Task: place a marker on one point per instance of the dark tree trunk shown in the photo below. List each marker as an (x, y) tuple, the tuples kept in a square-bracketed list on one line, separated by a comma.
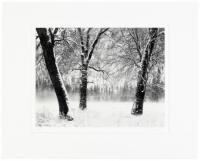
[(141, 88), (54, 73), (137, 108), (83, 87), (57, 83)]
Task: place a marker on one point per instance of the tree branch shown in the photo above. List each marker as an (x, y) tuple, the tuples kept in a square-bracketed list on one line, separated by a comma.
[(51, 36), (155, 37), (98, 70), (95, 43), (55, 31), (81, 38), (38, 45), (88, 40), (76, 69), (132, 60), (38, 62), (136, 40), (90, 82)]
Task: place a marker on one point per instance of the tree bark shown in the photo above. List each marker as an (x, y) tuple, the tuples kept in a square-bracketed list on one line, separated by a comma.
[(83, 87), (54, 73), (137, 108)]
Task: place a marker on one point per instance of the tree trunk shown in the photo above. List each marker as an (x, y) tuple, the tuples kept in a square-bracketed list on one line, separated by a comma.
[(57, 84), (54, 73), (83, 87), (137, 108), (141, 88)]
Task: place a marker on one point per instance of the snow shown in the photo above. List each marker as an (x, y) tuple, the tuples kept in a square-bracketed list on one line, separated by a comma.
[(100, 114)]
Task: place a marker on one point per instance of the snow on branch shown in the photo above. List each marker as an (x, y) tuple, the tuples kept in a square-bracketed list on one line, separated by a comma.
[(135, 38), (98, 70), (95, 42)]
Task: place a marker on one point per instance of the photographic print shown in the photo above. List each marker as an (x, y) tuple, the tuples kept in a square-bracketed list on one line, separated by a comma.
[(100, 77)]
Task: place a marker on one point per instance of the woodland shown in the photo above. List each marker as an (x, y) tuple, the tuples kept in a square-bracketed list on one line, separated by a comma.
[(100, 67)]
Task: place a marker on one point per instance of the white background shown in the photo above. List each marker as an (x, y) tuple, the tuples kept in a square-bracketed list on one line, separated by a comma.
[(19, 21)]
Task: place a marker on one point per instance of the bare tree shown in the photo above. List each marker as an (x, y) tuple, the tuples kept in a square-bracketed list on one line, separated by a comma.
[(87, 50), (137, 108), (47, 41), (138, 57)]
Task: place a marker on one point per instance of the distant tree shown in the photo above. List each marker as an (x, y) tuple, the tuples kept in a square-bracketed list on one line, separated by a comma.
[(47, 42), (155, 90)]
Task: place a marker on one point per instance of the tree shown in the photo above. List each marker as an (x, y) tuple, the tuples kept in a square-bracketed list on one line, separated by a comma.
[(47, 41), (87, 50), (140, 52), (142, 74)]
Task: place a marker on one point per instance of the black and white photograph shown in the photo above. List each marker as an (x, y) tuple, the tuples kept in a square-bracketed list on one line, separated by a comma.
[(115, 79), (98, 77)]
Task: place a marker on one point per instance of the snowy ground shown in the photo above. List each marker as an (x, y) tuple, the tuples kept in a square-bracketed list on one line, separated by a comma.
[(100, 114)]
